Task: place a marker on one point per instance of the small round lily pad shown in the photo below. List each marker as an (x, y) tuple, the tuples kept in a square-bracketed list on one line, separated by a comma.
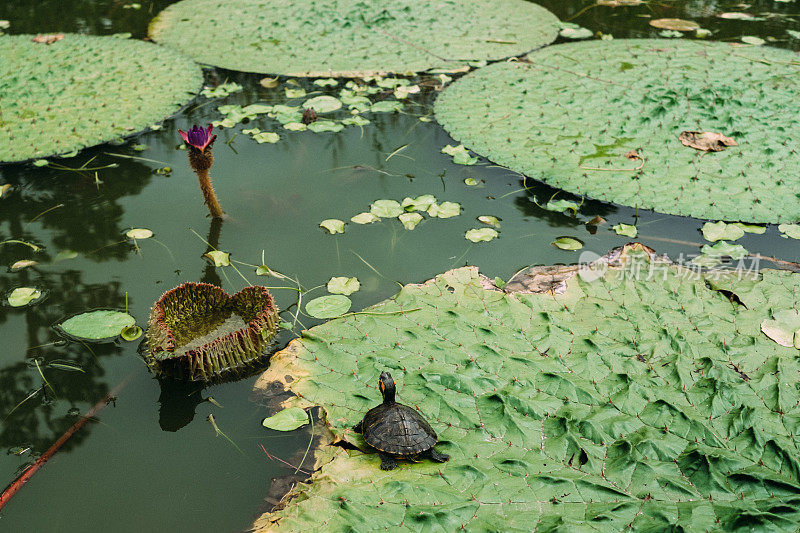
[(592, 119), (84, 90), (351, 37)]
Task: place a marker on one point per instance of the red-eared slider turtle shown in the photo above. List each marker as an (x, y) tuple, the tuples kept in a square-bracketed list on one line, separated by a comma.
[(397, 431)]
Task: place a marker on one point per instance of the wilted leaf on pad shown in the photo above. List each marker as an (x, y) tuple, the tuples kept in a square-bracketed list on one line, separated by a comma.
[(333, 225), (708, 141), (784, 328), (343, 285), (626, 229), (23, 296), (719, 231), (386, 208), (675, 24), (220, 259), (481, 234), (567, 243), (410, 220), (287, 420), (97, 325), (789, 231), (329, 306)]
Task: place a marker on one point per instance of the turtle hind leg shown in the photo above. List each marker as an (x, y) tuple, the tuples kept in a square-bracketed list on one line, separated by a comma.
[(387, 462), (438, 457)]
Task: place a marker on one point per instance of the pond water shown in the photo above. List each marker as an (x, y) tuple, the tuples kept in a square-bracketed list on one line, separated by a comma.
[(151, 460)]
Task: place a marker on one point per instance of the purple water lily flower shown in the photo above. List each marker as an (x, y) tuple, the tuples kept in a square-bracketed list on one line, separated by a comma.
[(198, 137)]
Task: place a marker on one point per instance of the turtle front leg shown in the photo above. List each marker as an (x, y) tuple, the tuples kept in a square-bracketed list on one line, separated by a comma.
[(438, 457), (359, 428), (387, 461)]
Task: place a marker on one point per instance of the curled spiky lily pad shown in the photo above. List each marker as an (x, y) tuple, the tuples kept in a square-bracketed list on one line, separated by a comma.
[(85, 90), (198, 332), (573, 114), (294, 38)]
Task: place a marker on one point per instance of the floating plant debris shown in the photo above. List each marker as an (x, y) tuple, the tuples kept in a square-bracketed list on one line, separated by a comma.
[(198, 332), (64, 111), (404, 36), (579, 108)]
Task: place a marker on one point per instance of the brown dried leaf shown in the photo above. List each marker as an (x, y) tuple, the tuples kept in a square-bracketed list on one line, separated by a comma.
[(633, 154), (269, 83), (675, 24), (49, 38), (618, 3), (708, 141)]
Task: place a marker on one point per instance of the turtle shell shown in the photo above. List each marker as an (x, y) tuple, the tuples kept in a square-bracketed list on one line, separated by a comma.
[(397, 429)]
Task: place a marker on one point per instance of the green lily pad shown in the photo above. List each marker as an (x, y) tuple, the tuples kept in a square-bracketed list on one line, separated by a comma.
[(323, 104), (287, 420), (472, 182), (460, 155), (386, 208), (220, 259), (481, 234), (626, 230), (23, 296), (266, 137), (751, 228), (357, 120), (297, 92), (720, 231), (490, 220), (386, 106), (325, 125), (567, 243), (444, 210), (591, 119), (326, 82), (365, 218), (295, 126), (722, 248), (343, 285), (97, 325), (561, 206), (420, 203), (352, 38), (626, 403), (131, 333), (333, 225), (139, 233), (45, 118), (329, 306), (410, 220), (576, 33), (789, 231)]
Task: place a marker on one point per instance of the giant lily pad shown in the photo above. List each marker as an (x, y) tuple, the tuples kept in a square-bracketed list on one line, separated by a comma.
[(351, 37), (574, 114), (97, 325), (84, 90), (641, 402), (198, 332)]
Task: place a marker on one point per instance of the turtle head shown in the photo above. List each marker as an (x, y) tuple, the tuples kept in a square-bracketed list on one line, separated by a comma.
[(386, 384)]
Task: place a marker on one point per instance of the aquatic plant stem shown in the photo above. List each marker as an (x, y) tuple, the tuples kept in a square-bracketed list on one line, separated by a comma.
[(26, 475), (209, 196)]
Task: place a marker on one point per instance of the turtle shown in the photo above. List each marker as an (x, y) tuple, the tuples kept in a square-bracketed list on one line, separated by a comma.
[(397, 431)]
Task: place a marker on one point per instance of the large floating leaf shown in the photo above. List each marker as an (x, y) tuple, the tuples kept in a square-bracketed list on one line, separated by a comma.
[(97, 325), (84, 90), (591, 118), (286, 420), (649, 403), (351, 37)]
